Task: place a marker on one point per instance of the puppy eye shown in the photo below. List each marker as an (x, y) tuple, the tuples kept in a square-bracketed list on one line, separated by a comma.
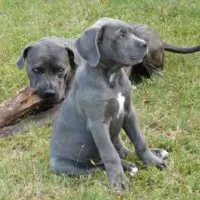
[(37, 70), (122, 35), (60, 70)]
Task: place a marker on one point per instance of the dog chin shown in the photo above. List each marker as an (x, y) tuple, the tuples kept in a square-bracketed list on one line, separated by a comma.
[(140, 60), (135, 62)]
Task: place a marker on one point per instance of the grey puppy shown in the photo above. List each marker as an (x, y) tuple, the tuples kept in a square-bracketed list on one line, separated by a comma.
[(98, 106), (51, 64)]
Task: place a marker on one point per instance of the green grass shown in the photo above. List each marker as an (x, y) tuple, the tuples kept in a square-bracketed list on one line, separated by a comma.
[(169, 119)]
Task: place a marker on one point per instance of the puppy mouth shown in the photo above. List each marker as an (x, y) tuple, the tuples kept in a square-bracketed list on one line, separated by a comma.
[(134, 58), (147, 51), (142, 59), (137, 60)]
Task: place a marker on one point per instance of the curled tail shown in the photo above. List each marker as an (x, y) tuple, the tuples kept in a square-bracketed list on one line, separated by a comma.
[(182, 50)]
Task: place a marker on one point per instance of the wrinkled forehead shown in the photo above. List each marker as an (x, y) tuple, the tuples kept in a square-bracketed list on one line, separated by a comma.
[(43, 52)]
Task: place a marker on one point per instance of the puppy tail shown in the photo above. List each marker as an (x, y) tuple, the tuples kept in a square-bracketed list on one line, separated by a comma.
[(181, 50)]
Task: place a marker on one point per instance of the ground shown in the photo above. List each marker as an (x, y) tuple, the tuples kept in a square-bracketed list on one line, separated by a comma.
[(168, 108)]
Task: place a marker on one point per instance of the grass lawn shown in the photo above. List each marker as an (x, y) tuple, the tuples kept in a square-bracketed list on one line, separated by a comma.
[(168, 107)]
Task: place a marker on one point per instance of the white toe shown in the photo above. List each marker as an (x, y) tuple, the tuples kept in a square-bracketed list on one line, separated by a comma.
[(133, 171), (164, 154)]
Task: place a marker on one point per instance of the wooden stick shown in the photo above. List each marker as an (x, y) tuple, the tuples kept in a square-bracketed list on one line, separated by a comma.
[(22, 103)]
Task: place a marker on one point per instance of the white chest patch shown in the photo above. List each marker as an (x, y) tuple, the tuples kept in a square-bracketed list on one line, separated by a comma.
[(121, 100)]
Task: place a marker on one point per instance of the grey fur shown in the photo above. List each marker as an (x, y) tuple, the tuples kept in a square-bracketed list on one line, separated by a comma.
[(86, 132), (51, 64)]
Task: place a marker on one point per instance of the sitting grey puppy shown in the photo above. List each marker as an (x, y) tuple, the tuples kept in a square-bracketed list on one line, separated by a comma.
[(98, 106)]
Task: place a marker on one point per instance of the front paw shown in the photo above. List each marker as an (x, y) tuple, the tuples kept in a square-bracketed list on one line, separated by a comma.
[(156, 157), (161, 153), (119, 182), (130, 167)]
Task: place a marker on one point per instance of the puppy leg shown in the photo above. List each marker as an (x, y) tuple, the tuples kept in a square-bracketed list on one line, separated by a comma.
[(141, 146), (109, 155), (122, 150)]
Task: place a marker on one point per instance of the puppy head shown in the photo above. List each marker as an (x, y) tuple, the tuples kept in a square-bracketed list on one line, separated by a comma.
[(113, 40), (50, 67)]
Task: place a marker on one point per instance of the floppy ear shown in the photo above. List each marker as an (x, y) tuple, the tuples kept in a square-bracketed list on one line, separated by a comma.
[(22, 58), (87, 46), (74, 57), (71, 58)]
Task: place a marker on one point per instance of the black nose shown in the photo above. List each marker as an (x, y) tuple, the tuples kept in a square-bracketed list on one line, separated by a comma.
[(49, 94), (143, 44)]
